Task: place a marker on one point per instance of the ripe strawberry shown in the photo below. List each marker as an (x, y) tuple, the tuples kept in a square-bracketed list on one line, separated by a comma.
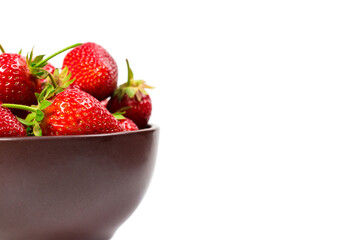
[(9, 124), (94, 70), (19, 76), (71, 112), (74, 112), (16, 83), (132, 95), (128, 124)]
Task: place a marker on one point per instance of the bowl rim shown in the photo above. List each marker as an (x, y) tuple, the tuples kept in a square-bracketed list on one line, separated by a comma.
[(150, 128)]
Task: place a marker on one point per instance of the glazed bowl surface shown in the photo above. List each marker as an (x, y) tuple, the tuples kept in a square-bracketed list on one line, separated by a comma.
[(73, 187)]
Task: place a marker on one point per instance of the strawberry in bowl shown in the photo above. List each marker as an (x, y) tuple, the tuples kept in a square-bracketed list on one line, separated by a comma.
[(133, 96)]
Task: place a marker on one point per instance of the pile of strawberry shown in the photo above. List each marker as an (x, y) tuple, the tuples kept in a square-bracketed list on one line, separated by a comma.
[(37, 99)]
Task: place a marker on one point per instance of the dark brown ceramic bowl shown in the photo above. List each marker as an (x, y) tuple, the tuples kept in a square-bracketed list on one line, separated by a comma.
[(73, 187)]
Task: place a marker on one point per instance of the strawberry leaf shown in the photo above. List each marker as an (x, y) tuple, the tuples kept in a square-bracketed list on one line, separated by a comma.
[(118, 116), (130, 91), (40, 97), (39, 115), (30, 117), (49, 91), (143, 91), (41, 65), (39, 72), (38, 59), (123, 109), (138, 96), (44, 104), (37, 130), (23, 121), (56, 72), (68, 82), (29, 131), (61, 80), (31, 54)]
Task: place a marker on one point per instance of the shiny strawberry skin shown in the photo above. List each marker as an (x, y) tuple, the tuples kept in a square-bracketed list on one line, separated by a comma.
[(128, 125), (16, 83), (94, 69), (9, 125), (74, 112), (139, 111)]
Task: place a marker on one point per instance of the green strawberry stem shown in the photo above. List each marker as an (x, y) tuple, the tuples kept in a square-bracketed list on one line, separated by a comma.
[(130, 74), (18, 106), (53, 82), (2, 49), (57, 53)]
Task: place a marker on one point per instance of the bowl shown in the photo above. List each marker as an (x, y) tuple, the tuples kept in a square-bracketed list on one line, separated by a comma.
[(73, 187)]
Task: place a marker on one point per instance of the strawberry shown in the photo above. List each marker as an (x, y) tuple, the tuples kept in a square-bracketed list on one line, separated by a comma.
[(132, 95), (93, 68), (16, 83), (19, 76), (75, 112), (9, 124), (71, 112), (128, 124)]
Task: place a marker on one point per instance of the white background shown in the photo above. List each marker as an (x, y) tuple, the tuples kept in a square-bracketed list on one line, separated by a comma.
[(258, 104)]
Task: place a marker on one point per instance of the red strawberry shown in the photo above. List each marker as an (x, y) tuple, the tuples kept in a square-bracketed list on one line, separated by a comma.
[(94, 70), (74, 112), (9, 124), (128, 125), (16, 83), (132, 95)]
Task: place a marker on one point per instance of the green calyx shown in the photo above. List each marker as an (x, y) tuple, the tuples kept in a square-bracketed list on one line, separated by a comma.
[(60, 79), (120, 113), (132, 88)]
